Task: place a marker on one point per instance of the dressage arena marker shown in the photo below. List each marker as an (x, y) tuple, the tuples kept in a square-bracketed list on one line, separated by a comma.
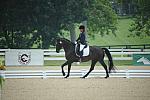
[(74, 73)]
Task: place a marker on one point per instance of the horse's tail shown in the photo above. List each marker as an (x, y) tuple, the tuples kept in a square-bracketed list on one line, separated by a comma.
[(110, 61)]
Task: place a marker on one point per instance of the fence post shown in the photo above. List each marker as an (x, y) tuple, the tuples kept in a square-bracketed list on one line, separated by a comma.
[(122, 52), (127, 73), (44, 74), (144, 46), (2, 74)]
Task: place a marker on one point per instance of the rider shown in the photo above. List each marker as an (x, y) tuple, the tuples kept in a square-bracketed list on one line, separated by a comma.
[(81, 40)]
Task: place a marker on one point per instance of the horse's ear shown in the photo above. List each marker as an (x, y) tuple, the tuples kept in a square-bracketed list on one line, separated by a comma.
[(58, 39)]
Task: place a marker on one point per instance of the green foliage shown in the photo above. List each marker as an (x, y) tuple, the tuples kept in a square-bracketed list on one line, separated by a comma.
[(28, 22), (19, 19), (101, 17), (141, 25), (1, 81)]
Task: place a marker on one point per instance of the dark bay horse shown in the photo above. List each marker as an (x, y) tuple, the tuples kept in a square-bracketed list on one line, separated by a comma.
[(96, 55)]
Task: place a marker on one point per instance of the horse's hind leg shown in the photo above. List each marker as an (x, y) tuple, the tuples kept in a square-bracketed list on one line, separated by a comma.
[(105, 67), (91, 68)]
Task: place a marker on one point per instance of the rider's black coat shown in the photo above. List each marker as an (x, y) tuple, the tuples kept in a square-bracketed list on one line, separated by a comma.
[(82, 38)]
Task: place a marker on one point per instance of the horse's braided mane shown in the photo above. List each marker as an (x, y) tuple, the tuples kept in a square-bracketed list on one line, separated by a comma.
[(64, 39)]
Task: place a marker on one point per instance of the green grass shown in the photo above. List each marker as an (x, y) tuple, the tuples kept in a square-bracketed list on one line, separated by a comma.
[(121, 37), (2, 60), (59, 63)]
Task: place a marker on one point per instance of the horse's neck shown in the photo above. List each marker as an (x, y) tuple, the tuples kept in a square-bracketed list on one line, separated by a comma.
[(68, 47)]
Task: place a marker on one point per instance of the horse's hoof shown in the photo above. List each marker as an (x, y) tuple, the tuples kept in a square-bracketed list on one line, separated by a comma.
[(64, 74), (106, 77), (66, 77), (82, 77)]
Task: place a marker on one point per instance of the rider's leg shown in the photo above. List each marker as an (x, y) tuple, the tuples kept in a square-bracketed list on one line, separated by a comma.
[(81, 55), (78, 49)]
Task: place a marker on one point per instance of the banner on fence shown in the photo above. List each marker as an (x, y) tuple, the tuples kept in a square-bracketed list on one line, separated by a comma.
[(25, 57), (141, 59)]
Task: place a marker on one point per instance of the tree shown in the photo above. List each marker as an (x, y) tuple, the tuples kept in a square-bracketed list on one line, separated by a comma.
[(98, 13), (101, 17), (24, 23), (141, 25), (29, 22), (74, 12), (123, 7)]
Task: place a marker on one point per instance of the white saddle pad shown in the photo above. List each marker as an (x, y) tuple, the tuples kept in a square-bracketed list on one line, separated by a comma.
[(86, 50)]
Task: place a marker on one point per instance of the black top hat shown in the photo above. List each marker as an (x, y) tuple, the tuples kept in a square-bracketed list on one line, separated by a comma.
[(82, 27)]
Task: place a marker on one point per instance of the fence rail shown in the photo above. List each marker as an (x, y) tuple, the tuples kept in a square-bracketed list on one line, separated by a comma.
[(74, 73), (119, 54), (142, 46)]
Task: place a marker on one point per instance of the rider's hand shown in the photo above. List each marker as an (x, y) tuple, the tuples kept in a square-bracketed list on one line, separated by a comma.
[(75, 42)]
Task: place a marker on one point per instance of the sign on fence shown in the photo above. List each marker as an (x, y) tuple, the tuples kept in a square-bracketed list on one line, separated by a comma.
[(141, 59), (25, 57)]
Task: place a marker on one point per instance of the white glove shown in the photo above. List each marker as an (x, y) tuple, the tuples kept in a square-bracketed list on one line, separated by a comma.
[(75, 42)]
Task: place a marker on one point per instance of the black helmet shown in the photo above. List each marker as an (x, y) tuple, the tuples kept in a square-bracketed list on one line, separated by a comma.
[(81, 27)]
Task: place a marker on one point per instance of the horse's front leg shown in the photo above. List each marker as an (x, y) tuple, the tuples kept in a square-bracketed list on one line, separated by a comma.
[(62, 67), (69, 67)]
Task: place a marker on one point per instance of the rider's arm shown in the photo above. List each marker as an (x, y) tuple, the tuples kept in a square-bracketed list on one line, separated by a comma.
[(82, 38), (78, 38)]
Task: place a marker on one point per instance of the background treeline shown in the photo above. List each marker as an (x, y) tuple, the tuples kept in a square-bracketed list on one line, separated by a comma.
[(37, 23)]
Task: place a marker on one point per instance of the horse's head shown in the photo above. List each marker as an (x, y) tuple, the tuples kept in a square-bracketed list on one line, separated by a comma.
[(64, 43), (58, 45)]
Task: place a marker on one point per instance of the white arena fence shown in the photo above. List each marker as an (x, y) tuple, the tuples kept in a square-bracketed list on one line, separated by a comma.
[(17, 74), (118, 54)]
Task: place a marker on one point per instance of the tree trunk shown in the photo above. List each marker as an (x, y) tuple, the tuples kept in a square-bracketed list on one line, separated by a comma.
[(85, 24), (72, 32)]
